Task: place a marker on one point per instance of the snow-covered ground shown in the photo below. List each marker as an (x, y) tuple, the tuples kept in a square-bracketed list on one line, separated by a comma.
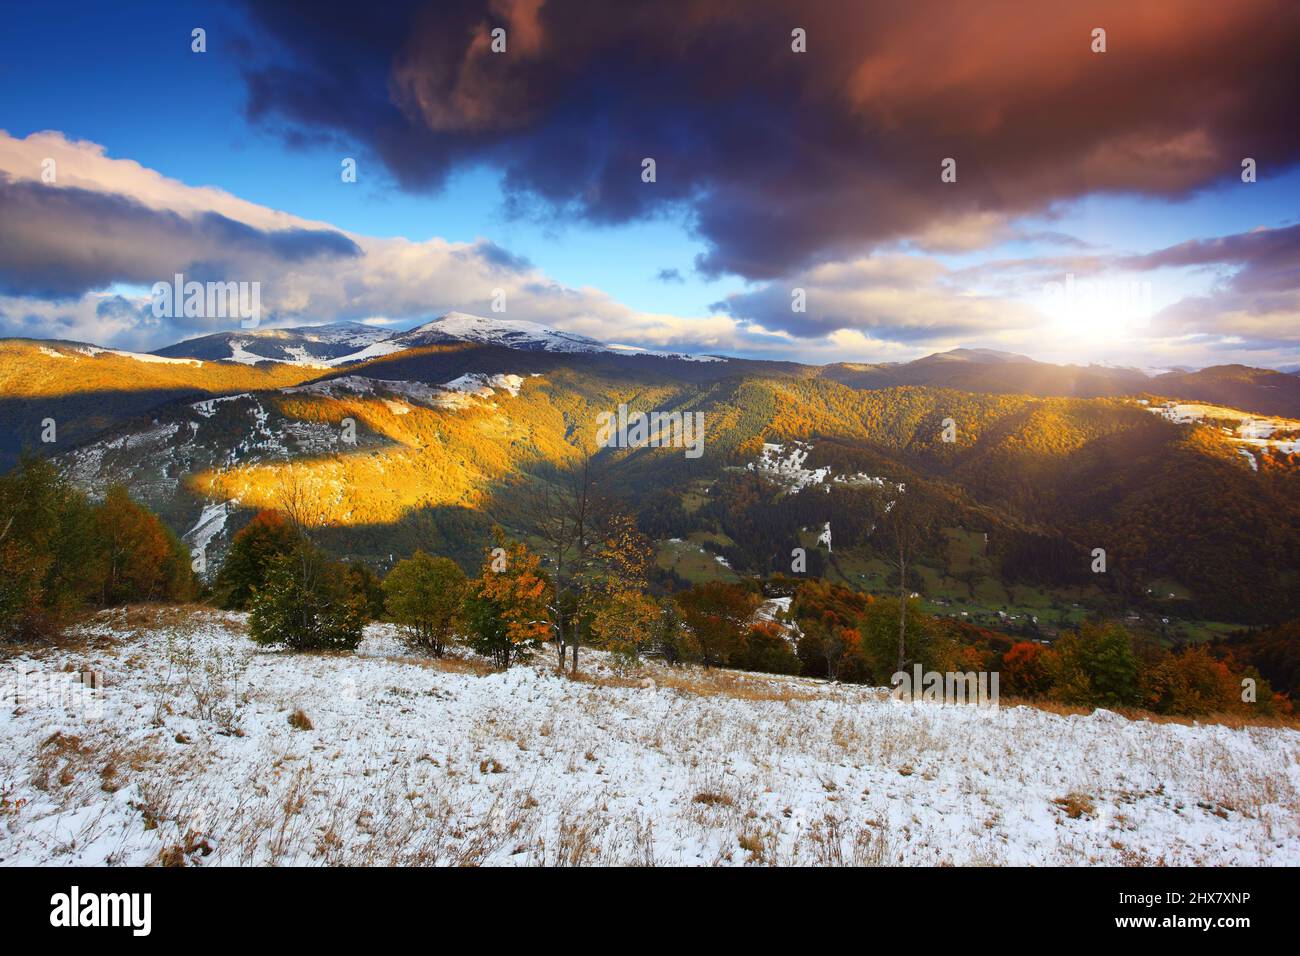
[(510, 333), (187, 752), (1251, 433), (454, 394), (683, 356), (93, 350), (786, 468)]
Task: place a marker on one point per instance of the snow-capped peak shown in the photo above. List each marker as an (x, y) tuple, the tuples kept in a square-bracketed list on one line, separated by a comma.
[(510, 333)]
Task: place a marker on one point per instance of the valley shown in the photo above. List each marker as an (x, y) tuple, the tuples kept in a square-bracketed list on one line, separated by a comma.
[(427, 444)]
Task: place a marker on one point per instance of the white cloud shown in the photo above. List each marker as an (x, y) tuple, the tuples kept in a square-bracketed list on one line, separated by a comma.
[(886, 307)]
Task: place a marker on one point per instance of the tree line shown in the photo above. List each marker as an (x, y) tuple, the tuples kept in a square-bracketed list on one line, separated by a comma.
[(61, 554), (579, 573)]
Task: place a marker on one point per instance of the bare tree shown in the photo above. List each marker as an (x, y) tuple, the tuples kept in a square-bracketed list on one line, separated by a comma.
[(304, 510), (301, 504), (900, 530), (565, 512)]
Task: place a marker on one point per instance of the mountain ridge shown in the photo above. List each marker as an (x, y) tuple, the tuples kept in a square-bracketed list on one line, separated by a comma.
[(441, 433)]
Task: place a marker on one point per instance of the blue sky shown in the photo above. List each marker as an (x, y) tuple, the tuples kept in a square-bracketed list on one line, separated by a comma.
[(125, 78), (186, 119)]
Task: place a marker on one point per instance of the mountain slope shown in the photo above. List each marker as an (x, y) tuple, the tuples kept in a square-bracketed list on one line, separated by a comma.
[(1238, 386), (349, 342), (984, 370), (84, 389), (443, 433), (968, 369), (306, 345), (423, 446)]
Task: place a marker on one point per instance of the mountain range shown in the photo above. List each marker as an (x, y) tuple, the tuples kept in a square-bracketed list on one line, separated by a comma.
[(343, 343), (1189, 479), (970, 369)]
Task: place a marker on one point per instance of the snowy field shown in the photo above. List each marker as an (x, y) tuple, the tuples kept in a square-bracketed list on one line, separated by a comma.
[(187, 754)]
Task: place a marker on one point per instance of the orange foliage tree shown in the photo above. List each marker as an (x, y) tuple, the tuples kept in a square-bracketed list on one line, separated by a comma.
[(1025, 670), (143, 559), (506, 613)]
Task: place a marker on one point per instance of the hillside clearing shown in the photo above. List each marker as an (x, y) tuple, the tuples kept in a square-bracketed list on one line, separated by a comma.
[(200, 755)]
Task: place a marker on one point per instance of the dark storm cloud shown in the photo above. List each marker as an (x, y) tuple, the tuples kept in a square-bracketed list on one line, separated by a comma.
[(59, 242), (287, 245), (1256, 296), (786, 159), (1266, 259)]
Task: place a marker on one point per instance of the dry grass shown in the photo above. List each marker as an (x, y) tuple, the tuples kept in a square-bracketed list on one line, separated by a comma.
[(1234, 721), (603, 679), (737, 685), (745, 685), (702, 682), (1076, 805), (449, 664), (95, 630), (713, 799)]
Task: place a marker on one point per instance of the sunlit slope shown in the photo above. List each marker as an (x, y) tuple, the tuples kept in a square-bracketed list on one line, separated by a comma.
[(30, 369), (83, 391)]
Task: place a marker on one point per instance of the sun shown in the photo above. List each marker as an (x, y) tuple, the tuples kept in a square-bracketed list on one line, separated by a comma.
[(1095, 310)]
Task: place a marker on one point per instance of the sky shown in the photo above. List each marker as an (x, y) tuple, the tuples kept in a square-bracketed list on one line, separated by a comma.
[(863, 182)]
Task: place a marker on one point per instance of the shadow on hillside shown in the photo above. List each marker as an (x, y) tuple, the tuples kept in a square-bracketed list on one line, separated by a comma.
[(78, 417)]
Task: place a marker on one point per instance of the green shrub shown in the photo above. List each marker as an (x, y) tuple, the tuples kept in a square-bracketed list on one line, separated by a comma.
[(48, 564), (258, 543), (423, 596), (1096, 667), (307, 603)]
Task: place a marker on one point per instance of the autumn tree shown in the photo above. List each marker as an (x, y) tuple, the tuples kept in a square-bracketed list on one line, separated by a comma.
[(828, 615), (424, 596), (143, 560), (268, 536), (1193, 683), (719, 615), (506, 612), (614, 586), (767, 649), (1025, 669)]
